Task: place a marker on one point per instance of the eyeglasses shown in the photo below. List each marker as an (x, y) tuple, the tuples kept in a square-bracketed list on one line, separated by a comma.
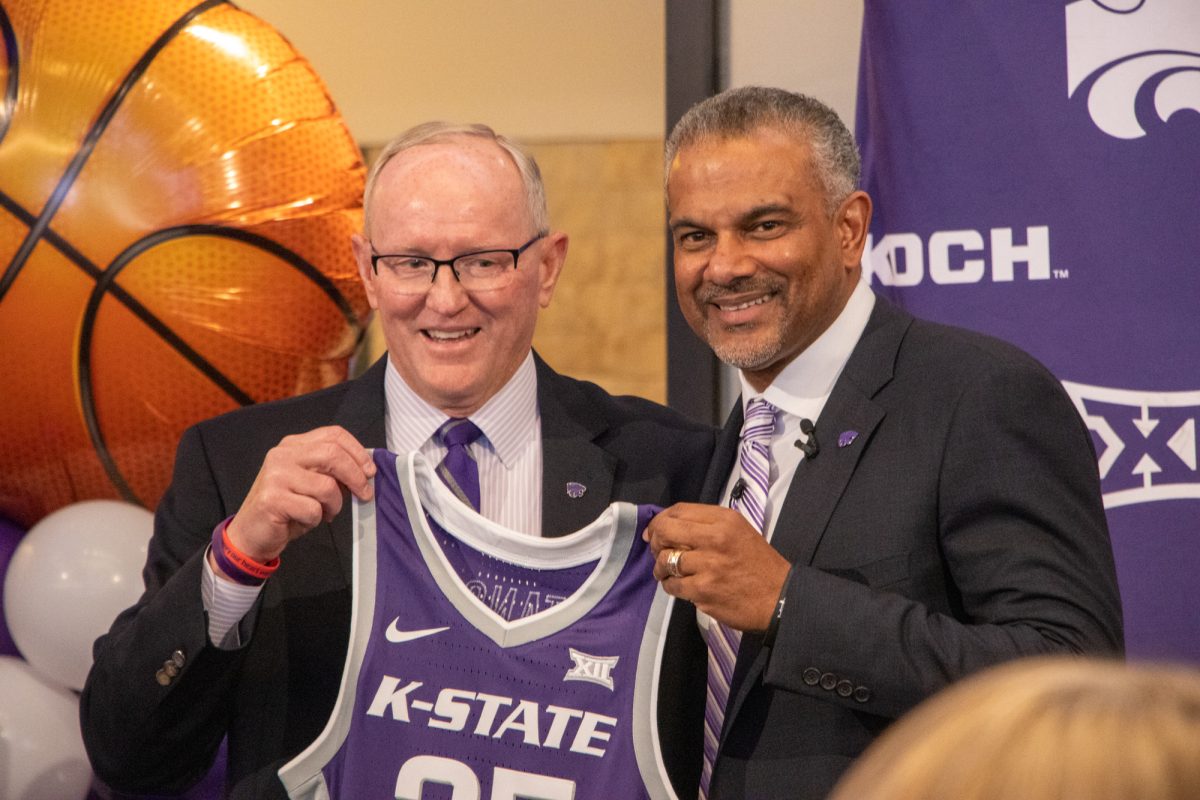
[(478, 271)]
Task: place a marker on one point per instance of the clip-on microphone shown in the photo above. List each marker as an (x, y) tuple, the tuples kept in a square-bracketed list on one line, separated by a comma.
[(738, 490), (810, 447)]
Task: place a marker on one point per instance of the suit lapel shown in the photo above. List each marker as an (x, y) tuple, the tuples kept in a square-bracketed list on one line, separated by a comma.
[(819, 483), (571, 461), (362, 409), (850, 412)]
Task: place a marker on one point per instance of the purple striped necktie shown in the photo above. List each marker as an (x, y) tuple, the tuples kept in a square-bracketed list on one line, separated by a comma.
[(458, 469), (750, 498)]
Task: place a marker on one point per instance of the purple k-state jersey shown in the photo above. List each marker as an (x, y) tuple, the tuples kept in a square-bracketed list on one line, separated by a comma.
[(486, 664)]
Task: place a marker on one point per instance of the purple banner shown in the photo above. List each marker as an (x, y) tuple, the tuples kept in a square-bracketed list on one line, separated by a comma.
[(1036, 172)]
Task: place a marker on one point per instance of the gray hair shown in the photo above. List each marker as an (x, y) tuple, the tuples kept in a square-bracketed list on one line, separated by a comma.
[(736, 113), (438, 132)]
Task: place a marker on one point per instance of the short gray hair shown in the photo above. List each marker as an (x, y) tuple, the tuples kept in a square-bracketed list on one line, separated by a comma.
[(736, 113), (437, 132)]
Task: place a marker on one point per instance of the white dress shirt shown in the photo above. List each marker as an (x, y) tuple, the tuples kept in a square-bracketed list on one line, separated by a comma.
[(509, 455), (800, 392)]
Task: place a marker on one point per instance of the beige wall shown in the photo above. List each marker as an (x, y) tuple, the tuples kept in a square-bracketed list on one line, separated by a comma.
[(607, 323), (534, 69), (808, 46)]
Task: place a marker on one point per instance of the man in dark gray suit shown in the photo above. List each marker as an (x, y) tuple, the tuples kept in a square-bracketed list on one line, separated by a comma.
[(910, 502), (247, 639)]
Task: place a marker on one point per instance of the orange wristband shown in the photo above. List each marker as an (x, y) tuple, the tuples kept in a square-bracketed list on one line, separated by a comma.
[(236, 564)]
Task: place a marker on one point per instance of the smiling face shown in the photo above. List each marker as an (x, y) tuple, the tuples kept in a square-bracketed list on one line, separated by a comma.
[(455, 348), (761, 266)]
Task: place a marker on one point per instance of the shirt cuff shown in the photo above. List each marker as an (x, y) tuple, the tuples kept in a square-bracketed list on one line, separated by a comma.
[(226, 604)]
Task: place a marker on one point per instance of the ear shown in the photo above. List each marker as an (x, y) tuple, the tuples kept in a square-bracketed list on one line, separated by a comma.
[(853, 220), (550, 267), (362, 257)]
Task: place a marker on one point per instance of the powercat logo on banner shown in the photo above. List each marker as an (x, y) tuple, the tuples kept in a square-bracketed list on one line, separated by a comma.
[(1133, 60), (1146, 442)]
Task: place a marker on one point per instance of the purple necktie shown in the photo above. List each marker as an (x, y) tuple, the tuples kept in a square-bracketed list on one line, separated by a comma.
[(750, 498), (458, 469)]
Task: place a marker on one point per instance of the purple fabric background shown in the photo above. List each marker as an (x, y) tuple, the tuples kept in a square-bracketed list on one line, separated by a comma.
[(967, 122), (10, 538)]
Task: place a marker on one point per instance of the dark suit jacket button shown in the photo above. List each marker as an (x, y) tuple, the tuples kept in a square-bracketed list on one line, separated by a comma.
[(862, 694), (845, 688), (178, 659), (163, 678), (812, 676), (170, 668), (828, 681)]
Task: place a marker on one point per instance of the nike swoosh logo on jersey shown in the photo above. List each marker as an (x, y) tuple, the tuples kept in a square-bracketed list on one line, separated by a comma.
[(396, 636)]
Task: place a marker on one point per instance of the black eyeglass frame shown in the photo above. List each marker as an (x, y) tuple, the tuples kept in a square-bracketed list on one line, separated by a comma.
[(516, 256)]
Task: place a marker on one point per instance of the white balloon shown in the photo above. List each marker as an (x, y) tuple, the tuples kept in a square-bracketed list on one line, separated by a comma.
[(70, 576), (41, 749)]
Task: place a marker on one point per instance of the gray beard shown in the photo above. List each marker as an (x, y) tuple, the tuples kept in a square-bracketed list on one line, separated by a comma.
[(742, 356), (735, 355)]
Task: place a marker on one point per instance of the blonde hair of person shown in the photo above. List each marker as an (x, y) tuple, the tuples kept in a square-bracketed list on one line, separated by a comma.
[(1043, 729)]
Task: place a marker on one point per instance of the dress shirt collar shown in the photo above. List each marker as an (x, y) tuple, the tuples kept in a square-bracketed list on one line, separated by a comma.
[(804, 385), (506, 419)]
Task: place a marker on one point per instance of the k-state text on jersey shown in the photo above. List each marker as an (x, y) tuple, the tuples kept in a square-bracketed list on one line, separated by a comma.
[(587, 732)]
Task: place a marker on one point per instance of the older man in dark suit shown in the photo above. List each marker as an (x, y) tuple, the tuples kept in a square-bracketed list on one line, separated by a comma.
[(910, 502), (246, 639)]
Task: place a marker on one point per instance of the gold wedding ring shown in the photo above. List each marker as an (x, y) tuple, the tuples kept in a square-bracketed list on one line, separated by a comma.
[(673, 563)]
